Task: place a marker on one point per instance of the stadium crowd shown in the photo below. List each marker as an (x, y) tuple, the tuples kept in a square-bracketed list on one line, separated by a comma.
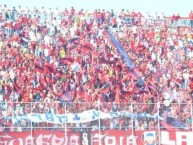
[(48, 57)]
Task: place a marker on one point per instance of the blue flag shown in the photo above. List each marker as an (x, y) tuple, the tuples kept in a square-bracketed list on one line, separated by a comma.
[(131, 66)]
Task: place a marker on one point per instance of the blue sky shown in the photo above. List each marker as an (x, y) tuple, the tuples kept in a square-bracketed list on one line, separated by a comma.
[(169, 7)]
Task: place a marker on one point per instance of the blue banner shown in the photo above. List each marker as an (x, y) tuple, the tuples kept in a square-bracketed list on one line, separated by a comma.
[(131, 66)]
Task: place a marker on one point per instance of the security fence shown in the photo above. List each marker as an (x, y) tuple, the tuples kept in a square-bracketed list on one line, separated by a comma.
[(71, 119)]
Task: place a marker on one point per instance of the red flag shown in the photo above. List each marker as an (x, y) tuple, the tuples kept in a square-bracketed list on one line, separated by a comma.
[(16, 87), (50, 68), (59, 74), (87, 47), (117, 94), (66, 97), (89, 26), (38, 69), (66, 61), (26, 97), (168, 126), (117, 68)]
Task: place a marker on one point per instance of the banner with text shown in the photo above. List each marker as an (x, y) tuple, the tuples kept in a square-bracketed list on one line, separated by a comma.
[(108, 137), (85, 116)]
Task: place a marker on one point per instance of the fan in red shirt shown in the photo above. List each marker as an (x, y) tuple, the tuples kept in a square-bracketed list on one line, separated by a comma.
[(72, 11), (133, 15), (95, 14), (139, 15), (173, 18), (25, 20), (65, 12), (0, 16), (114, 22), (80, 12), (191, 18)]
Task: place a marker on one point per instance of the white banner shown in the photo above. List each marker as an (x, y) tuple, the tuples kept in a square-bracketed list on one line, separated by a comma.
[(82, 117)]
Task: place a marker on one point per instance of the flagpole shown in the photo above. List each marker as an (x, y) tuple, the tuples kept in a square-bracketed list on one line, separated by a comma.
[(158, 121), (192, 116), (31, 124), (99, 122), (132, 123), (65, 124)]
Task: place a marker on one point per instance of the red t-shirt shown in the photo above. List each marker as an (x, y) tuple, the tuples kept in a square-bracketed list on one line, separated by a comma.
[(139, 15), (65, 13), (191, 16), (15, 38), (18, 26), (95, 14), (72, 11), (98, 15), (80, 12), (133, 14), (114, 21), (25, 20)]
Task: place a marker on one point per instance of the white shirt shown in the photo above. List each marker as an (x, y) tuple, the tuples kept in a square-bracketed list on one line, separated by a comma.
[(46, 52), (47, 39), (32, 36), (1, 98), (55, 23), (190, 54), (134, 29), (72, 32), (12, 74), (186, 75), (153, 56)]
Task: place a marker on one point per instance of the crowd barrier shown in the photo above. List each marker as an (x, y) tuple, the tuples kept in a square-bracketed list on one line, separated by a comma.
[(105, 123), (182, 22)]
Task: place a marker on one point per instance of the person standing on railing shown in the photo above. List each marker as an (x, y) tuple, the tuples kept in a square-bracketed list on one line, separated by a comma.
[(172, 19), (191, 18), (175, 19)]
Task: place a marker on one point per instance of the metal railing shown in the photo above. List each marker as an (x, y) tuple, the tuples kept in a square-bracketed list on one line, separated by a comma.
[(15, 117), (127, 118)]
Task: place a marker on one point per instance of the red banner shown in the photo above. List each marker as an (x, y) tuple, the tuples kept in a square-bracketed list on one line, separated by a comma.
[(39, 138), (108, 137)]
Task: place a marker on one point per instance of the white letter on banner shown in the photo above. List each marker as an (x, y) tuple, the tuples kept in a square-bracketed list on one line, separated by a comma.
[(110, 139), (121, 140), (29, 140), (3, 142), (5, 138), (12, 141), (165, 138), (74, 140), (59, 141), (40, 139), (97, 137), (183, 137)]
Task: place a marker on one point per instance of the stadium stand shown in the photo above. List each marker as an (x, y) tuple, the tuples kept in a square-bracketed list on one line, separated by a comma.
[(69, 62)]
